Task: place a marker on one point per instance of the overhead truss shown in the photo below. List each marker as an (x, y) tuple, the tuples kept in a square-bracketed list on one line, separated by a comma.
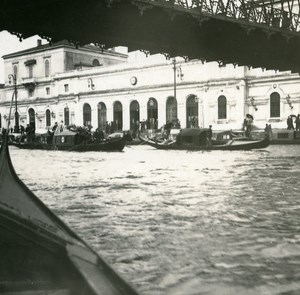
[(258, 33), (277, 15)]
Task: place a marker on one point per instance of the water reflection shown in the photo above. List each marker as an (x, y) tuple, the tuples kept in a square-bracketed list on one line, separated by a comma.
[(175, 222)]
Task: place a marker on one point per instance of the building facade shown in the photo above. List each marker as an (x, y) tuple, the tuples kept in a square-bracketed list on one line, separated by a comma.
[(85, 86)]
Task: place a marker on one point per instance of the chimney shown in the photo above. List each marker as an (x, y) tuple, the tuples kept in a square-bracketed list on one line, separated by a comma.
[(39, 42)]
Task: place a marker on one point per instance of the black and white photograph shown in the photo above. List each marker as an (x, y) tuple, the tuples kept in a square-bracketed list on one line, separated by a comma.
[(150, 147)]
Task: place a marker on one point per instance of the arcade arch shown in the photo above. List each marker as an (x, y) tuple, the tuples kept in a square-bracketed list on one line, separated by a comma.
[(152, 113), (48, 118), (66, 116), (134, 115), (171, 110), (192, 110), (87, 115), (118, 116), (102, 116), (31, 116)]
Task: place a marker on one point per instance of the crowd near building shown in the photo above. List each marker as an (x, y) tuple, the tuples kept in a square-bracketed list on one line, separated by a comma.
[(90, 86)]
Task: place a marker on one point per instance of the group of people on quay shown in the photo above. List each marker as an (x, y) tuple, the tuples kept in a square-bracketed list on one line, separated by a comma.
[(141, 127), (290, 122)]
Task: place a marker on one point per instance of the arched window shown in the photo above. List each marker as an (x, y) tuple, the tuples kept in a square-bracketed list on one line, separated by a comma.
[(152, 112), (222, 107), (134, 115), (171, 110), (67, 116), (192, 120), (47, 68), (118, 116), (48, 118), (96, 63), (101, 115), (275, 105), (87, 115)]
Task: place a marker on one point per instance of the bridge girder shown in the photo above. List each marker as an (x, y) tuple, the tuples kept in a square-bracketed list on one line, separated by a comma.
[(156, 26)]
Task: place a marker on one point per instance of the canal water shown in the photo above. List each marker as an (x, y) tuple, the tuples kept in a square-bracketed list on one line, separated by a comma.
[(176, 222)]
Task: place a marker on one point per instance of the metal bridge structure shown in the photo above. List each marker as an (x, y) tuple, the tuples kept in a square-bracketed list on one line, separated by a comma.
[(253, 33)]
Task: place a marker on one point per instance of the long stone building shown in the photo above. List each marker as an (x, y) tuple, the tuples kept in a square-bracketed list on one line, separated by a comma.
[(90, 86)]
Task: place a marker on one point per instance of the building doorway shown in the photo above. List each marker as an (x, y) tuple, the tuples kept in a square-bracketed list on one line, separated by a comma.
[(118, 116), (31, 115), (171, 110), (134, 115), (101, 115), (48, 118), (67, 116), (192, 120), (152, 113), (87, 115)]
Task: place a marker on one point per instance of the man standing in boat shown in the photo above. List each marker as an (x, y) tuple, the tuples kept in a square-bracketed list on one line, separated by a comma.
[(209, 136), (54, 127)]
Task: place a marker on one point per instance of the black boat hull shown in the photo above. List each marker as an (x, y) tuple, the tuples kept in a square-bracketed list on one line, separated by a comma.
[(106, 146)]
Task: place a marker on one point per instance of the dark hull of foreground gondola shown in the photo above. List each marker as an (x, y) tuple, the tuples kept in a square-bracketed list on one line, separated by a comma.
[(39, 254)]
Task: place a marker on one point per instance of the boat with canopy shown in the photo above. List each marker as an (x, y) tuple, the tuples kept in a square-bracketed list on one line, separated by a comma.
[(196, 139), (68, 140)]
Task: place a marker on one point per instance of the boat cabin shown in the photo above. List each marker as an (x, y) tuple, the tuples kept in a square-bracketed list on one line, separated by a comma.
[(192, 137), (285, 136), (66, 139)]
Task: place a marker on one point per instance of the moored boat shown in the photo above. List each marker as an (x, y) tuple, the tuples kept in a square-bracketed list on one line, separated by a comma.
[(284, 136), (197, 139), (276, 136), (72, 141), (39, 253)]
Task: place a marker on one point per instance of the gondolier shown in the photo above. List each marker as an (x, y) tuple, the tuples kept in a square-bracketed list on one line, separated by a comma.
[(209, 135)]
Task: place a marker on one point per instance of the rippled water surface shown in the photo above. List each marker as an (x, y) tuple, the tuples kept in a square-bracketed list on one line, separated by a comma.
[(175, 222)]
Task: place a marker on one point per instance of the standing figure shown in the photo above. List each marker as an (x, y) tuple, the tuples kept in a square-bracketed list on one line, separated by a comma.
[(112, 127), (107, 127), (143, 123), (22, 129), (54, 127), (28, 131), (61, 126), (298, 123), (290, 125), (267, 131), (209, 136)]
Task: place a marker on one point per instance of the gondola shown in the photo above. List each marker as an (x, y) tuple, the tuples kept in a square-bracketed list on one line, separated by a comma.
[(71, 141), (39, 253), (195, 139)]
